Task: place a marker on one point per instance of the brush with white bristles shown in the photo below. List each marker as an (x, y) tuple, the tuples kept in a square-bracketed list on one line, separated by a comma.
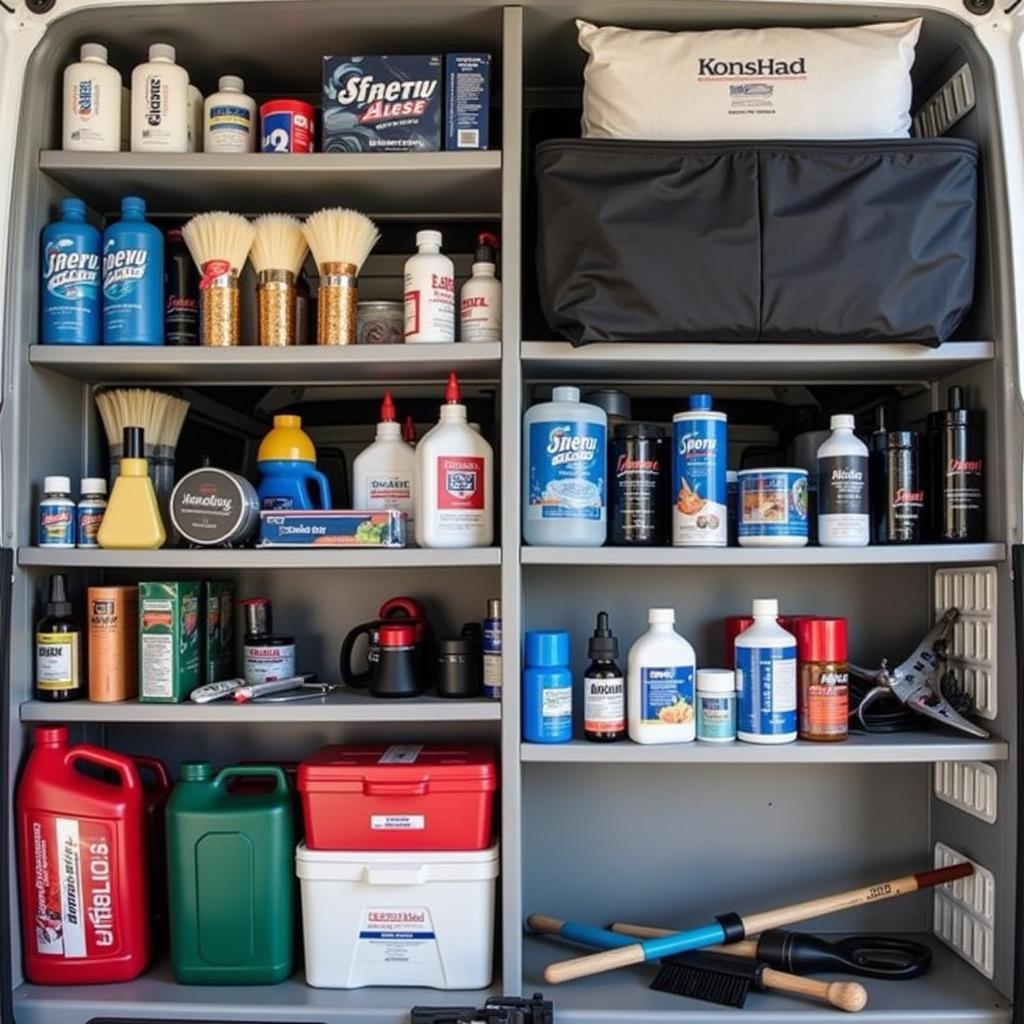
[(341, 240), (220, 244), (278, 252)]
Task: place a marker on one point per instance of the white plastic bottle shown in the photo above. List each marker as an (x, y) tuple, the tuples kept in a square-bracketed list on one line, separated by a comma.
[(92, 103), (480, 298), (844, 515), (229, 118), (766, 678), (195, 120), (429, 292), (383, 474), (565, 471), (660, 687), (454, 481), (160, 104)]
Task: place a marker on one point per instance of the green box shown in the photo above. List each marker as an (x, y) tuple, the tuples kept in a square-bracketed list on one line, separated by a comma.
[(169, 641), (218, 631)]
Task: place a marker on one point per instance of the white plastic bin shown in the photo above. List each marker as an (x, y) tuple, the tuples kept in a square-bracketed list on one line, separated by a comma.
[(424, 919)]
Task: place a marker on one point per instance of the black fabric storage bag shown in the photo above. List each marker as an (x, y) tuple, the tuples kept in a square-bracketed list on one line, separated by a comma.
[(832, 241)]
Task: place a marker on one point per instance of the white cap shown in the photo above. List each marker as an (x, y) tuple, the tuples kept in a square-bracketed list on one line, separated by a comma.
[(93, 51), (56, 485), (161, 51), (732, 476), (428, 238), (662, 615), (565, 393), (94, 485), (842, 422), (765, 606), (717, 680), (230, 83)]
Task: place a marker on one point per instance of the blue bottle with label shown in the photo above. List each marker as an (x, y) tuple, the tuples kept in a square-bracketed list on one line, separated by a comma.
[(133, 278), (70, 279), (765, 658), (547, 687)]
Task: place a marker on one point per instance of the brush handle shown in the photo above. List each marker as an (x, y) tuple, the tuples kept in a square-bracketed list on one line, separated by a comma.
[(595, 963), (850, 996), (746, 948)]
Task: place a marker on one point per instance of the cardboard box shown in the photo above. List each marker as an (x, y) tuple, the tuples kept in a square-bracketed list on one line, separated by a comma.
[(169, 641), (467, 100), (383, 528), (218, 660)]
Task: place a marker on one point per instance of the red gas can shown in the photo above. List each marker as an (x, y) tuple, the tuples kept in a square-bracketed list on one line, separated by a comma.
[(82, 854)]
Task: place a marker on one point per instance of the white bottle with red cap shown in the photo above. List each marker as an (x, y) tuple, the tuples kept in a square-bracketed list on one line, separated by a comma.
[(383, 474), (480, 299), (454, 481)]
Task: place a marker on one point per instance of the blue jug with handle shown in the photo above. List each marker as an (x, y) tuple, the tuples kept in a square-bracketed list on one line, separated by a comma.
[(287, 460)]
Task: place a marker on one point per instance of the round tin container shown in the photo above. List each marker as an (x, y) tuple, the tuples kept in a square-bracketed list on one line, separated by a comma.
[(771, 508), (214, 508), (380, 323), (286, 126)]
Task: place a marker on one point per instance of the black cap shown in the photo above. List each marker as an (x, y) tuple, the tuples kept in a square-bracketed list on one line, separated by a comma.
[(57, 603), (899, 439), (603, 646), (134, 443), (954, 414)]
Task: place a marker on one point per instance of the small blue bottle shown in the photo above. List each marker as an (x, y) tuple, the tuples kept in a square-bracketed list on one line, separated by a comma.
[(70, 279), (547, 688), (133, 278)]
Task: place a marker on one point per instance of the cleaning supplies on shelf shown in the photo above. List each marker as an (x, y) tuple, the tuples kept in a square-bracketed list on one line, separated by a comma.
[(278, 252), (286, 126), (699, 459), (480, 298), (340, 241), (181, 292), (765, 656), (716, 705), (384, 473), (287, 461), (229, 118), (467, 100), (132, 519), (547, 687), (565, 471), (220, 244), (214, 508), (92, 103), (429, 292), (660, 689), (160, 116), (334, 528), (823, 700), (89, 511), (70, 286), (133, 278), (169, 641), (492, 650), (59, 647), (265, 656), (772, 508), (454, 481), (844, 513), (112, 613), (638, 474), (56, 513), (957, 471), (604, 688), (83, 864)]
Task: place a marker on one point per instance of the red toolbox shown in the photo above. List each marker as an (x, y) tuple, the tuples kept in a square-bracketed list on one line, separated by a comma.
[(406, 796)]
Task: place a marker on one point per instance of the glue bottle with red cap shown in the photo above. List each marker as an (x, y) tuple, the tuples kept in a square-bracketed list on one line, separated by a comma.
[(383, 474), (454, 481), (480, 299)]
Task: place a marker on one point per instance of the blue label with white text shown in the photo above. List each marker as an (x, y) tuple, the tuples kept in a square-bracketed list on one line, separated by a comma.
[(766, 681), (567, 470), (666, 695)]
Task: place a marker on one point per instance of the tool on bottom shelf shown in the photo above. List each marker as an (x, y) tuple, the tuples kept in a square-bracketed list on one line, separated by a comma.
[(497, 1010), (728, 928)]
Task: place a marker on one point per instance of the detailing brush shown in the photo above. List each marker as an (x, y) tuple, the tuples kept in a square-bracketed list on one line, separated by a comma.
[(278, 252), (341, 240), (220, 244)]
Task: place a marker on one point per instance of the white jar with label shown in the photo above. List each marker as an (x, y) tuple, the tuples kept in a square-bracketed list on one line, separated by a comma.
[(716, 705), (429, 292), (844, 514), (660, 683), (383, 474), (160, 104), (92, 103), (229, 118), (765, 659)]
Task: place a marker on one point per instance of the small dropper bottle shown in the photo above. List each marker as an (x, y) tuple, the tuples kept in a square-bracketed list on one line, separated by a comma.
[(604, 689)]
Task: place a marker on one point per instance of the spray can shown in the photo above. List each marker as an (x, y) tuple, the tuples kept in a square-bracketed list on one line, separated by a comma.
[(70, 279), (492, 650), (699, 489)]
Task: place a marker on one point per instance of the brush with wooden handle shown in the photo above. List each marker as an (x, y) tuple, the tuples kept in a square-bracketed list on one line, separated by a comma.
[(732, 927)]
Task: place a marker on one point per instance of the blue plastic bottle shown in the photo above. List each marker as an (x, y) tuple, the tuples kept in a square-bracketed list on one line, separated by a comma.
[(133, 278), (547, 688), (71, 279)]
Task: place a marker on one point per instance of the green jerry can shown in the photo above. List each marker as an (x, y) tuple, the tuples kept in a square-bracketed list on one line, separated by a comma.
[(230, 870)]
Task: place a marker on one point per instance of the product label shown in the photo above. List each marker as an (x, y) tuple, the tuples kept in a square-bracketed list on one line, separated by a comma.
[(398, 822), (666, 695), (285, 131), (460, 492), (157, 664), (825, 703), (567, 470), (122, 268), (492, 676), (479, 319), (843, 485), (156, 93), (773, 505), (389, 490), (604, 704), (72, 868), (228, 128), (716, 716), (638, 474), (401, 753), (56, 525), (393, 937), (69, 274), (962, 489), (556, 702), (87, 106), (264, 662), (699, 456), (430, 305), (89, 519), (57, 661), (766, 681)]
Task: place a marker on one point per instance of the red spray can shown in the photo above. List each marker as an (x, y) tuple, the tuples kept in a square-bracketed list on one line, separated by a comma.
[(82, 865)]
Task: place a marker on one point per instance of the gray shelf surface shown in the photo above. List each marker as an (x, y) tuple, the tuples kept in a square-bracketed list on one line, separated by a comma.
[(252, 364), (951, 991), (899, 748), (410, 184), (685, 361)]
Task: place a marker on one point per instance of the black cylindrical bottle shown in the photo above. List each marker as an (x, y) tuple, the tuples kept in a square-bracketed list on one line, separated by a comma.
[(181, 292), (898, 496), (604, 689), (957, 473), (58, 647), (638, 479)]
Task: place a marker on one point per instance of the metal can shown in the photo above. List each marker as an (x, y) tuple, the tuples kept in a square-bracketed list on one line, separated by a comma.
[(638, 477), (896, 488), (214, 508), (286, 126), (380, 323), (772, 507)]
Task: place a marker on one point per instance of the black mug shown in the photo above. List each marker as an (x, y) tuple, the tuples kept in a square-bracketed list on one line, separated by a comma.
[(460, 664)]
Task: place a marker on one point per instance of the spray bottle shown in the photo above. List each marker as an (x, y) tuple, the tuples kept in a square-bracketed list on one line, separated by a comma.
[(480, 299)]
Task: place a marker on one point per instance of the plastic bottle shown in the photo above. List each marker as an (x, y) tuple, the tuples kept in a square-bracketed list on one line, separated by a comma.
[(492, 652), (699, 487), (92, 103), (547, 687), (83, 865), (766, 678), (824, 698), (409, 431), (194, 134), (565, 472), (91, 509), (58, 647), (230, 853), (454, 481), (716, 705), (287, 459), (70, 284), (229, 118), (429, 292), (844, 513), (383, 473), (660, 690), (480, 299), (133, 278), (958, 471), (56, 513), (132, 519), (604, 688), (160, 115)]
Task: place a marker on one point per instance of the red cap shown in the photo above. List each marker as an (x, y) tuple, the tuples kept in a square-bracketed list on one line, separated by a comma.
[(397, 634), (50, 735), (451, 392), (409, 430), (820, 639), (486, 238), (387, 409)]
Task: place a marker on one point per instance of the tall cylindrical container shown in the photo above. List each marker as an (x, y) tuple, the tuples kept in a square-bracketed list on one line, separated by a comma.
[(898, 499), (92, 103), (637, 485), (547, 687), (429, 292), (823, 700), (70, 279), (699, 489), (133, 278), (958, 471), (181, 292), (160, 104), (766, 678), (564, 465), (844, 513), (660, 691)]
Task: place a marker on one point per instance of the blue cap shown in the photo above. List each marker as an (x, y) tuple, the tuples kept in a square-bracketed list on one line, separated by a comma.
[(700, 403), (72, 208), (547, 648), (133, 204)]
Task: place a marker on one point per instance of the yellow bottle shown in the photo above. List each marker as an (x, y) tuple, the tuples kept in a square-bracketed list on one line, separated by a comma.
[(132, 519)]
